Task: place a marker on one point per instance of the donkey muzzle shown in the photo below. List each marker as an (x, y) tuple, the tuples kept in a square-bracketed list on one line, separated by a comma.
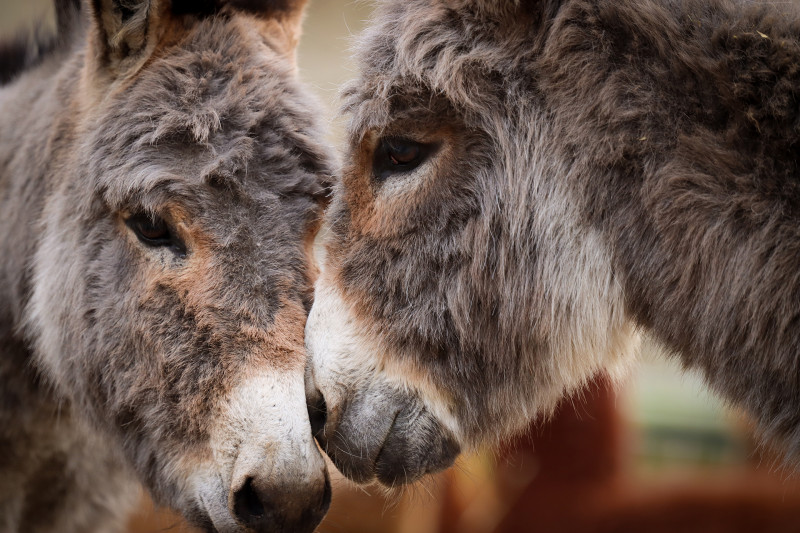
[(294, 502), (267, 475), (267, 496), (382, 433)]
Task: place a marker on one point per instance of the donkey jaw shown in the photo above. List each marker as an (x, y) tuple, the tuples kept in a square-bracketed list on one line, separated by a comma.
[(266, 472), (373, 418)]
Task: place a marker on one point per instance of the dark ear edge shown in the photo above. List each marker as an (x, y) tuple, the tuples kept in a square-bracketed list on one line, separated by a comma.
[(275, 8), (125, 31), (262, 8)]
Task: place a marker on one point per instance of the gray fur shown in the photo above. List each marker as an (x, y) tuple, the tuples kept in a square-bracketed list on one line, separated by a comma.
[(605, 168), (121, 361)]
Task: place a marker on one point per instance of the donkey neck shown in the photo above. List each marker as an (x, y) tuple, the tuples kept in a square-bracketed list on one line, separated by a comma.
[(688, 167)]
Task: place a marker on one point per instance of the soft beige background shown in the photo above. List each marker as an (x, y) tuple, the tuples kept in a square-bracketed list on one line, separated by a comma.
[(324, 56)]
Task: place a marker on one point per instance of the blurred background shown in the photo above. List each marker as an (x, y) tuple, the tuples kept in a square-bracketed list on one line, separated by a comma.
[(657, 454)]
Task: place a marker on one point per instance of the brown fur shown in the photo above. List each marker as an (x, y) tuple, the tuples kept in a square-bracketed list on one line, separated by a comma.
[(605, 168), (122, 360)]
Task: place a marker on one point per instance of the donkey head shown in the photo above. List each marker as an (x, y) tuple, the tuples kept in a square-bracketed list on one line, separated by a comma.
[(173, 280), (462, 293)]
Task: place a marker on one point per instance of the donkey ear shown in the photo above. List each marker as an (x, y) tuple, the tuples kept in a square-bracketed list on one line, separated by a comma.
[(123, 30)]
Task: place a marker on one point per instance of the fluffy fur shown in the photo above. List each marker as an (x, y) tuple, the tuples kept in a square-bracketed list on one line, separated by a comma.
[(603, 168), (179, 367)]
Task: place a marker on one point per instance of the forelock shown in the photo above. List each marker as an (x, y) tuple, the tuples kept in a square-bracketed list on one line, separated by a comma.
[(218, 107), (460, 49)]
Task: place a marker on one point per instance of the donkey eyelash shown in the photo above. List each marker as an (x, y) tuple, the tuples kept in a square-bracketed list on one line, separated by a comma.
[(154, 232), (399, 155)]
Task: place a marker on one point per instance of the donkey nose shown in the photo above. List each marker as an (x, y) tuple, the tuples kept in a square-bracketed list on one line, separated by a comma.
[(265, 507)]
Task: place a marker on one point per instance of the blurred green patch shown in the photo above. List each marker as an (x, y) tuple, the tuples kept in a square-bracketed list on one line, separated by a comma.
[(675, 421)]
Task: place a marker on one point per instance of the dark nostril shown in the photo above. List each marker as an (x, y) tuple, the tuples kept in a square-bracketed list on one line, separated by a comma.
[(247, 504), (285, 507), (317, 414)]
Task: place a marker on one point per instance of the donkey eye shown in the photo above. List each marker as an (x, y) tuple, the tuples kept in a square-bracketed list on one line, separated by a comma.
[(154, 231), (396, 155)]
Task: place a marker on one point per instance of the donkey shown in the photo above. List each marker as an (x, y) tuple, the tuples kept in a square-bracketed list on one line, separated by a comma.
[(533, 184), (162, 175)]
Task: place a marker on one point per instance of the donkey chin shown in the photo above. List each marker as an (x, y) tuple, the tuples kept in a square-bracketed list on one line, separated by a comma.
[(374, 424), (282, 485)]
